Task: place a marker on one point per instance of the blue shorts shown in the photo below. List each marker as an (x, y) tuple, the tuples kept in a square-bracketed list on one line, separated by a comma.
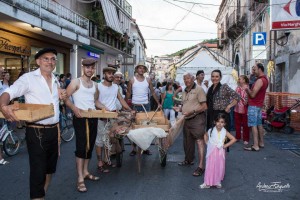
[(254, 116), (139, 108)]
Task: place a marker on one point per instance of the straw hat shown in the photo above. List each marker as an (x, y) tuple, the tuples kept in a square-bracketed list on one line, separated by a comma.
[(141, 64)]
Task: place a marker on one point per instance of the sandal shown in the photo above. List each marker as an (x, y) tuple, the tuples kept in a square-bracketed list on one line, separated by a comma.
[(198, 172), (3, 162), (250, 149), (102, 169), (147, 152), (91, 177), (81, 187), (185, 163), (132, 153)]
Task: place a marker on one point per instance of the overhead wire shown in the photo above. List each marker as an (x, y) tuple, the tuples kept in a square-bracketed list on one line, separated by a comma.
[(186, 40), (179, 21), (156, 27), (208, 4), (187, 10)]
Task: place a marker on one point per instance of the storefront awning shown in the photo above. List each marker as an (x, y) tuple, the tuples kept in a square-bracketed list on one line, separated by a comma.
[(111, 17), (92, 49)]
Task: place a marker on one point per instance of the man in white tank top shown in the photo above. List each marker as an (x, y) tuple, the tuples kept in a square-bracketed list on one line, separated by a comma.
[(108, 96), (138, 90), (85, 94)]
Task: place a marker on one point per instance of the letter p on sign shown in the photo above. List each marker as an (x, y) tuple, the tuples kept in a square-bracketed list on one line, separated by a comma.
[(259, 38)]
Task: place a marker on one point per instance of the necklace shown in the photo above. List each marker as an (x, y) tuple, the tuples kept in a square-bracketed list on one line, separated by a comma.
[(87, 84)]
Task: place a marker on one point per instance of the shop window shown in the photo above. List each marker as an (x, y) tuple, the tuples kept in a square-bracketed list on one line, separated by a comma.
[(60, 64)]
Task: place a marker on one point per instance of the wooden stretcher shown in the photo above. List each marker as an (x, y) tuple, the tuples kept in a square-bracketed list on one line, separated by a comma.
[(99, 114), (152, 119), (31, 112)]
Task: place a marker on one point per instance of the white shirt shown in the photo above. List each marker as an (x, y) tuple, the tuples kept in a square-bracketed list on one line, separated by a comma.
[(119, 105), (84, 98), (108, 96), (1, 88), (140, 91), (36, 91)]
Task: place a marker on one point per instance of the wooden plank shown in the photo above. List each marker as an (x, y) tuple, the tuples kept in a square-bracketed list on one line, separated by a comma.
[(98, 114), (31, 112)]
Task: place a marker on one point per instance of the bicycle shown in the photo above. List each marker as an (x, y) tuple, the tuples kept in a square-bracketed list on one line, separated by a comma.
[(66, 126), (11, 142)]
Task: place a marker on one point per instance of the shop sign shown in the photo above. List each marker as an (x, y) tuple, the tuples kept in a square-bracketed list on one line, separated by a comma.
[(94, 55), (7, 45)]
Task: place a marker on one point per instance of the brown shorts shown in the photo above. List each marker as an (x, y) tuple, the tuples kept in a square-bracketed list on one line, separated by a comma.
[(196, 126)]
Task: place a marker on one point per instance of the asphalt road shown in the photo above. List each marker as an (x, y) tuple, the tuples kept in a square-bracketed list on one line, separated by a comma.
[(275, 168)]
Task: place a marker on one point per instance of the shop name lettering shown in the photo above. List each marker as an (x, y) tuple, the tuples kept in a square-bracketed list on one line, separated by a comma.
[(273, 187), (4, 44)]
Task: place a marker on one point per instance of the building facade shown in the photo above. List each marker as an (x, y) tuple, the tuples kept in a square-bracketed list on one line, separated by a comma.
[(238, 22), (77, 29)]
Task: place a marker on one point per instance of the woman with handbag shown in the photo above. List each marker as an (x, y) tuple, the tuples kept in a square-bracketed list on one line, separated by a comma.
[(240, 110)]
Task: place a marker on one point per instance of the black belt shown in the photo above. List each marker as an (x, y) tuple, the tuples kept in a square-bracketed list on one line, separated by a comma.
[(34, 125), (194, 116)]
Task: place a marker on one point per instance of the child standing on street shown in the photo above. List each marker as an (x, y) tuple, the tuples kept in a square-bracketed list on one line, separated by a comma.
[(215, 154)]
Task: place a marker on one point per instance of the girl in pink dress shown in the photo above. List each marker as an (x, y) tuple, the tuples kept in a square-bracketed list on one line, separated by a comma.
[(215, 154)]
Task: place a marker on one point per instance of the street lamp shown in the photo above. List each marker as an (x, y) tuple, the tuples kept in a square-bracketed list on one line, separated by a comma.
[(281, 41)]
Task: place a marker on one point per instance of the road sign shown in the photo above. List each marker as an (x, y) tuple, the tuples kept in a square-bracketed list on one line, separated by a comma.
[(259, 52), (259, 38)]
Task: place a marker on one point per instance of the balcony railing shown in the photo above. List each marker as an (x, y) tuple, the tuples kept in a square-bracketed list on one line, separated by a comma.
[(108, 37), (236, 26), (50, 6), (124, 5), (62, 12)]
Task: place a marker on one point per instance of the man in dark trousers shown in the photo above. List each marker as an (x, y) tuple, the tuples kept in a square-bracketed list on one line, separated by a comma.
[(39, 87)]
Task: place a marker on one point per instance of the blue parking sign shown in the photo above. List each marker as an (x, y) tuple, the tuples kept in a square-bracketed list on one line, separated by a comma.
[(259, 38)]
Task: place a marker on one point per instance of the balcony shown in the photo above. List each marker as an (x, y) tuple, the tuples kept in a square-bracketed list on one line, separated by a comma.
[(257, 6), (111, 38), (236, 25), (124, 5), (48, 15)]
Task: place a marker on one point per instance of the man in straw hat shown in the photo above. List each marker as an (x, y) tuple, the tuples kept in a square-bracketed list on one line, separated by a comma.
[(85, 94), (108, 96), (138, 91), (42, 138)]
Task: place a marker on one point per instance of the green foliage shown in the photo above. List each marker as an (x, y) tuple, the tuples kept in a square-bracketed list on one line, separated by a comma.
[(211, 41), (97, 16), (183, 51)]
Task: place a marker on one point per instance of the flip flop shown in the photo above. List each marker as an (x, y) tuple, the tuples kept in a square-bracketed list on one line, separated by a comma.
[(250, 149)]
